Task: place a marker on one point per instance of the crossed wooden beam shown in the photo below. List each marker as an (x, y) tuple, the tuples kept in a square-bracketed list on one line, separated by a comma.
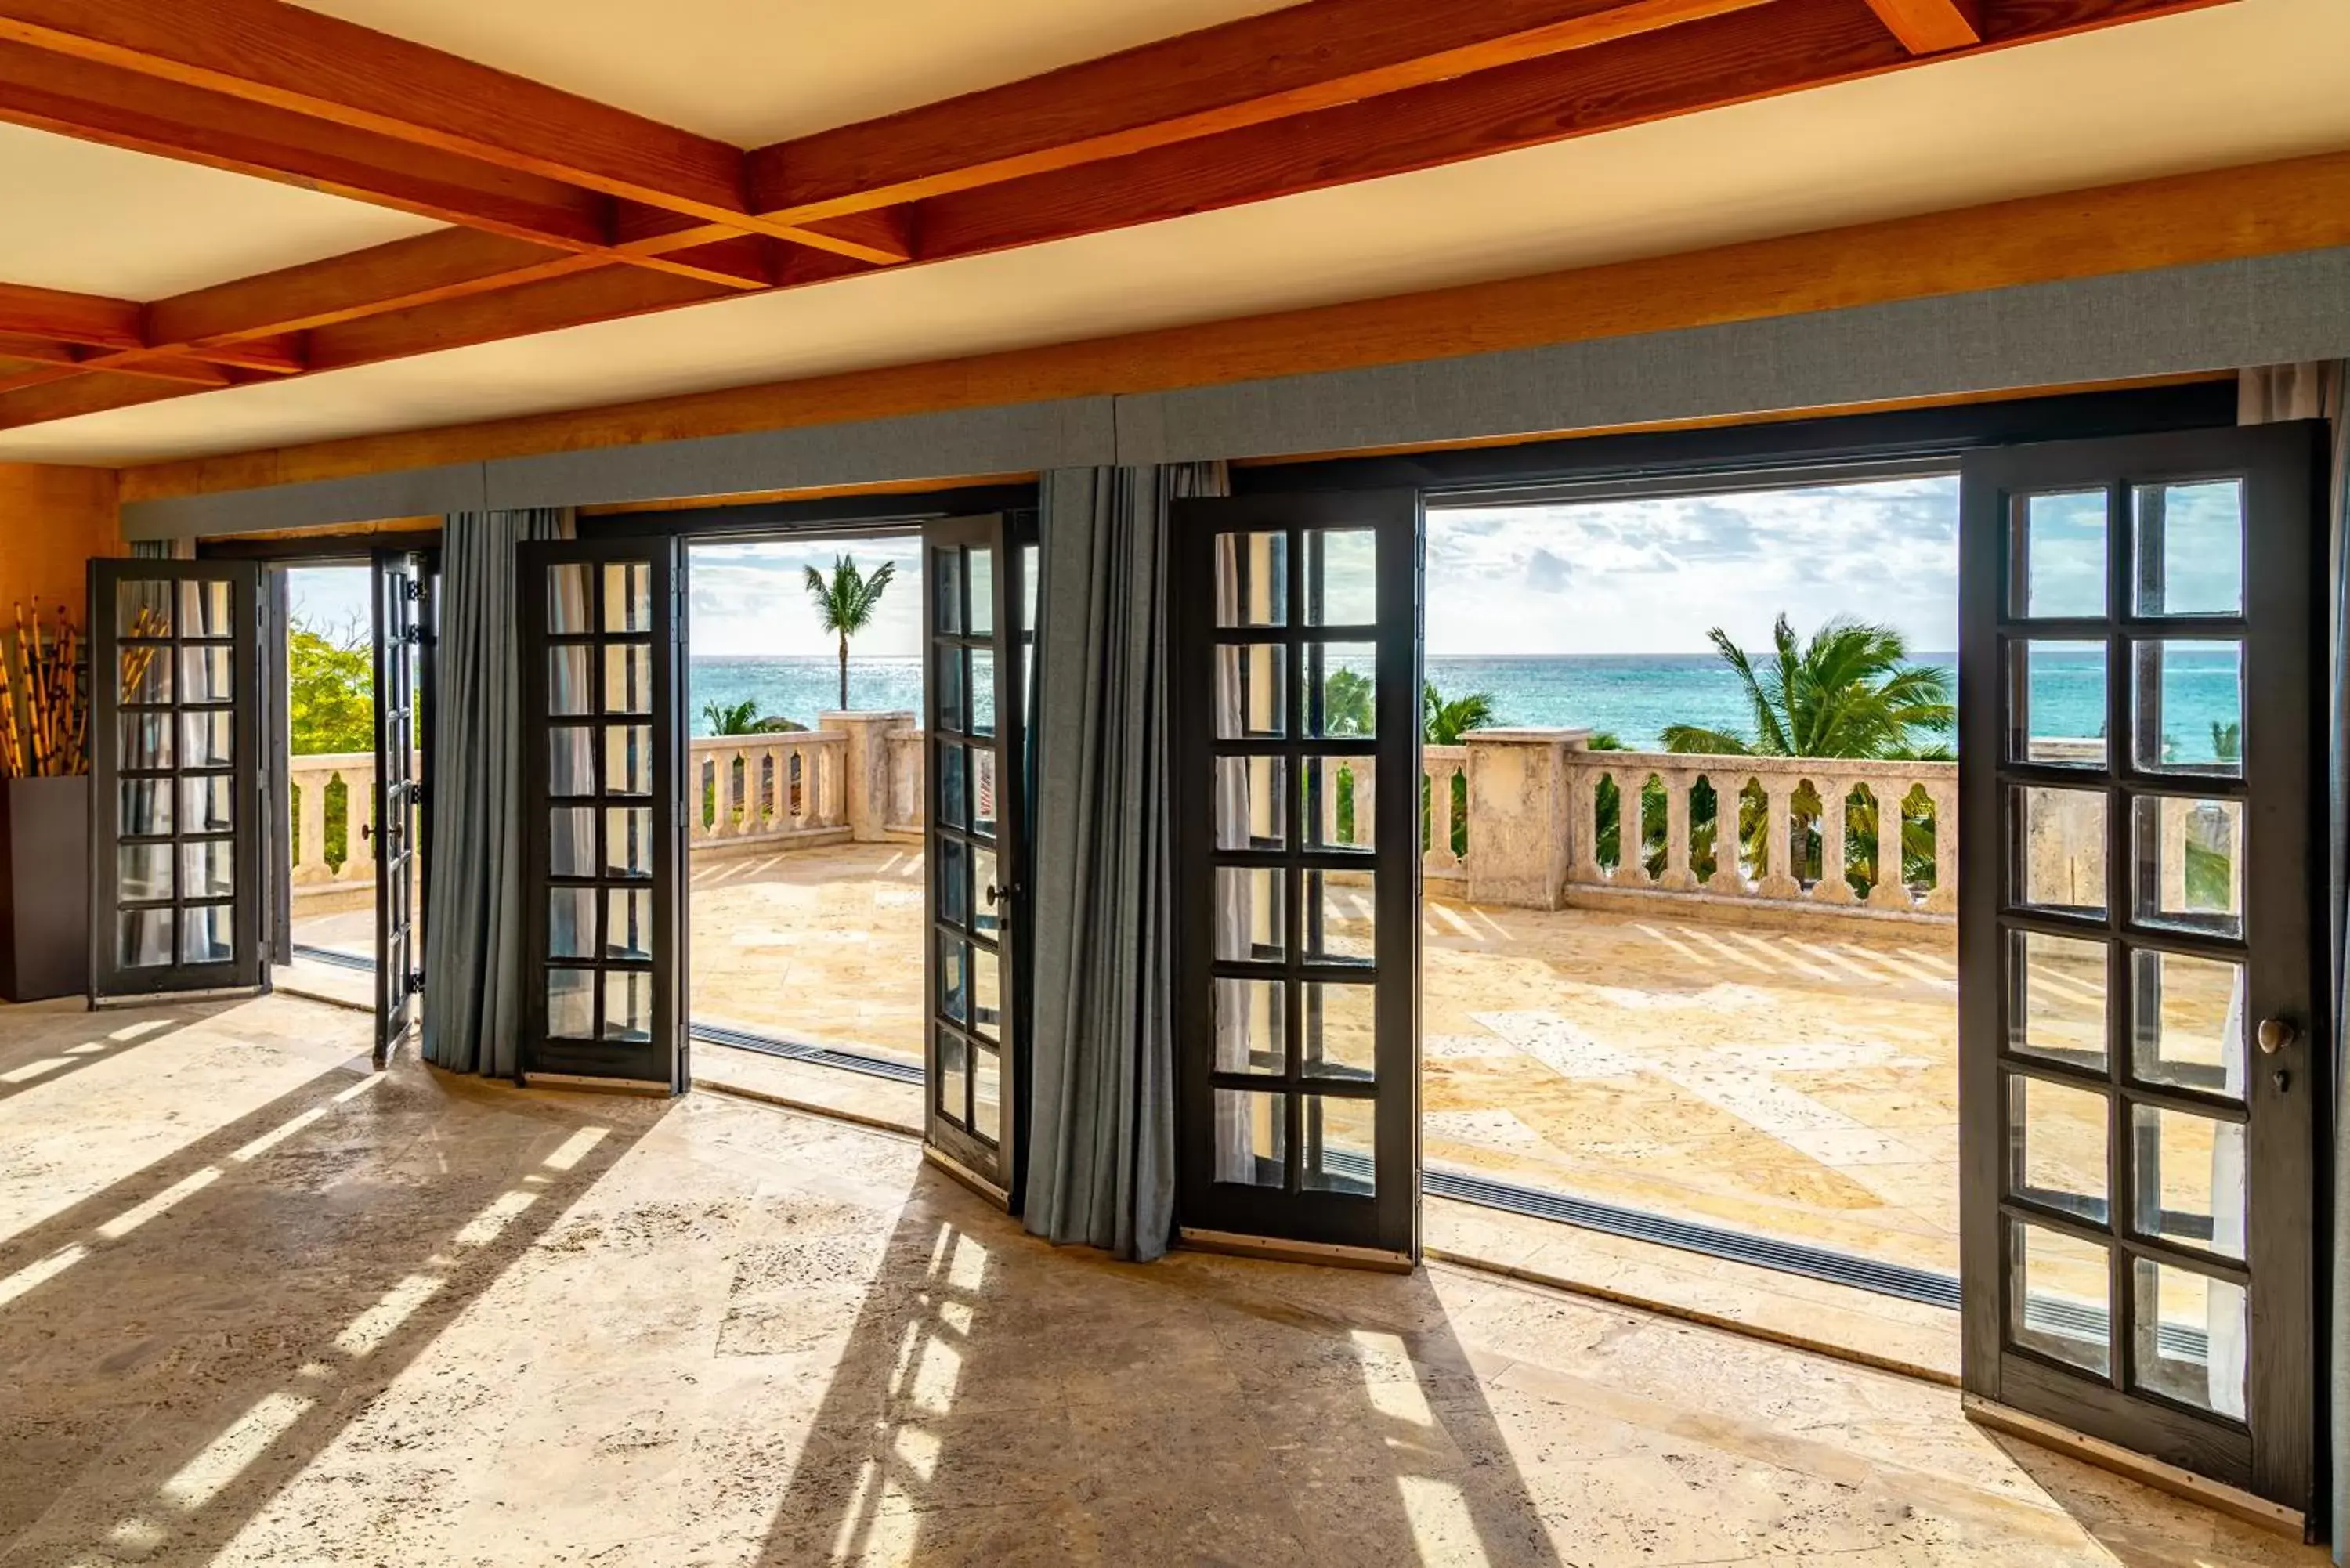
[(565, 210)]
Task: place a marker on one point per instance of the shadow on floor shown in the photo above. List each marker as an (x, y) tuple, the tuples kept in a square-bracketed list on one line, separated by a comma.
[(995, 1400), (2142, 1528), (180, 1345), (71, 1038)]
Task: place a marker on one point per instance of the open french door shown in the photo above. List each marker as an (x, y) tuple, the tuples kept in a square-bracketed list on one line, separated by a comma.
[(2143, 1040), (400, 622), (176, 810), (978, 603), (1294, 707), (602, 739)]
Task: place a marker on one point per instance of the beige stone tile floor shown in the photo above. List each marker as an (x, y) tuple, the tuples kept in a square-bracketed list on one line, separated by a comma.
[(257, 1306)]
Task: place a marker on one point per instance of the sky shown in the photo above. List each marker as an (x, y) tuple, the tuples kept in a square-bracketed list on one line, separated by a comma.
[(751, 599)]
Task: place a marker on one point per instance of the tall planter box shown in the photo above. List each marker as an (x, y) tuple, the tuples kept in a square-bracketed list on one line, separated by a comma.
[(44, 888)]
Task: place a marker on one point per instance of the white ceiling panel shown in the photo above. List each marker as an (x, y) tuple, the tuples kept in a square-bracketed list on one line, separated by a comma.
[(2235, 85), (97, 220)]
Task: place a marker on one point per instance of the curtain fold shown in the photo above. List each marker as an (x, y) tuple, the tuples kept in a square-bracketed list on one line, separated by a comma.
[(1101, 1152), (473, 961)]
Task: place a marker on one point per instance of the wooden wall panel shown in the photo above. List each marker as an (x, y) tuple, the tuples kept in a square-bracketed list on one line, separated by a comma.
[(52, 521)]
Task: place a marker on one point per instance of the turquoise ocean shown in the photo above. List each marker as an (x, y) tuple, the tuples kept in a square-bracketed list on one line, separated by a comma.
[(1635, 695)]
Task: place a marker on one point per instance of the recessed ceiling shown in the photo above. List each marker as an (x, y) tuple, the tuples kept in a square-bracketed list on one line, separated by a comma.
[(97, 220), (2237, 84), (755, 71)]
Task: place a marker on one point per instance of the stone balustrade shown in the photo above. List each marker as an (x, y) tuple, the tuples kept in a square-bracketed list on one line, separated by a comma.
[(344, 859)]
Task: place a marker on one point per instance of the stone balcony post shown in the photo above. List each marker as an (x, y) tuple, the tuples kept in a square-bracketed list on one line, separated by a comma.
[(1520, 840), (1779, 879), (863, 783), (1677, 878), (1831, 887)]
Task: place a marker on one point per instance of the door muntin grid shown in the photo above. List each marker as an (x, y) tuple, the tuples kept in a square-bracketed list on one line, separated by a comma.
[(2128, 941), (398, 591)]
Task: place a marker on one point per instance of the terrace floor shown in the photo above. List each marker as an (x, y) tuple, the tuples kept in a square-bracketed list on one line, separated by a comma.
[(1801, 1083)]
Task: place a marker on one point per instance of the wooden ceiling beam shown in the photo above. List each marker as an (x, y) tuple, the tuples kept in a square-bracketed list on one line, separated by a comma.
[(1930, 26), (90, 320)]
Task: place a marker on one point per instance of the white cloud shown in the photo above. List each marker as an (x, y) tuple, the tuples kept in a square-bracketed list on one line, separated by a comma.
[(749, 599)]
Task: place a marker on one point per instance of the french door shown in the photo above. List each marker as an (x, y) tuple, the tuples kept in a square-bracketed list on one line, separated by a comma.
[(602, 739), (175, 800), (400, 622), (978, 603), (2142, 1035), (1295, 706)]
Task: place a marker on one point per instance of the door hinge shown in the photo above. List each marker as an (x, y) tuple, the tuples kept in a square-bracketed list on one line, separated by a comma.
[(412, 588), (412, 635), (416, 982)]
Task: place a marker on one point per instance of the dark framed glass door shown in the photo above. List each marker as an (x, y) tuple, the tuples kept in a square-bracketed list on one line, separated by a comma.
[(2142, 1037), (977, 603), (1294, 709), (175, 802), (602, 739), (399, 596)]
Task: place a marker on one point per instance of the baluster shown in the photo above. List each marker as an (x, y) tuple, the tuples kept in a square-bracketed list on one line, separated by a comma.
[(1889, 891), (1436, 857), (310, 852), (1630, 843), (1944, 898), (698, 770), (1831, 887), (1366, 801), (1778, 821), (1729, 877), (1678, 876), (730, 792), (358, 823), (1582, 823)]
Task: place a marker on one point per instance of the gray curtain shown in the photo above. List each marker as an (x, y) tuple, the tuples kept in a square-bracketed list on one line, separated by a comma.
[(473, 961), (1101, 1153), (2308, 393)]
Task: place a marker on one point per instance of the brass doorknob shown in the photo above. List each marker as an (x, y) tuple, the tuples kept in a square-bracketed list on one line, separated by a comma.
[(2275, 1034)]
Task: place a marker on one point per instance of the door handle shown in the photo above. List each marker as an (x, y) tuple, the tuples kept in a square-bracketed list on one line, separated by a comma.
[(1006, 893), (2275, 1034)]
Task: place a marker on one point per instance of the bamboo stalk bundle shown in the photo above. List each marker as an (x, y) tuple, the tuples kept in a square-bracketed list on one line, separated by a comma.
[(44, 700)]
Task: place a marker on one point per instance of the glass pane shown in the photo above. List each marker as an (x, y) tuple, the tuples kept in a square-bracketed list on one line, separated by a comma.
[(570, 760), (2059, 848), (1341, 1031), (628, 923), (208, 869), (204, 675), (946, 577), (142, 872), (1341, 1145), (983, 790), (2188, 706), (987, 990), (206, 806), (629, 759), (954, 1076), (1341, 916), (572, 850), (1342, 576), (1248, 913), (146, 740), (980, 562), (628, 1005), (1249, 802), (566, 602), (1251, 690), (2191, 862), (1251, 579), (954, 875), (2187, 1015), (571, 922), (2056, 992), (954, 1000), (2190, 1179), (1341, 688), (2056, 702), (2189, 1335), (2056, 557), (146, 808), (568, 690), (146, 674), (627, 841), (954, 793), (142, 608), (627, 597), (1251, 1138), (2060, 1296), (947, 684), (983, 692), (571, 1004), (204, 609), (986, 914), (208, 934), (986, 1094), (2191, 548), (207, 739), (146, 940), (1251, 1019), (628, 678), (1341, 808), (2057, 1146)]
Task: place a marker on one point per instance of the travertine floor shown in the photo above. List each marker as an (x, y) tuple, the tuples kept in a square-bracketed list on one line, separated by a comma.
[(258, 1307)]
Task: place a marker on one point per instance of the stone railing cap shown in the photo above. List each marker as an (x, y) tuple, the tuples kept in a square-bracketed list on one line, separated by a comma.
[(866, 715), (1523, 735)]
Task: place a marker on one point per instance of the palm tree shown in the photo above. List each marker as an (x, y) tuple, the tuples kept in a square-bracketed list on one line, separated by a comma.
[(846, 602), (732, 718)]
